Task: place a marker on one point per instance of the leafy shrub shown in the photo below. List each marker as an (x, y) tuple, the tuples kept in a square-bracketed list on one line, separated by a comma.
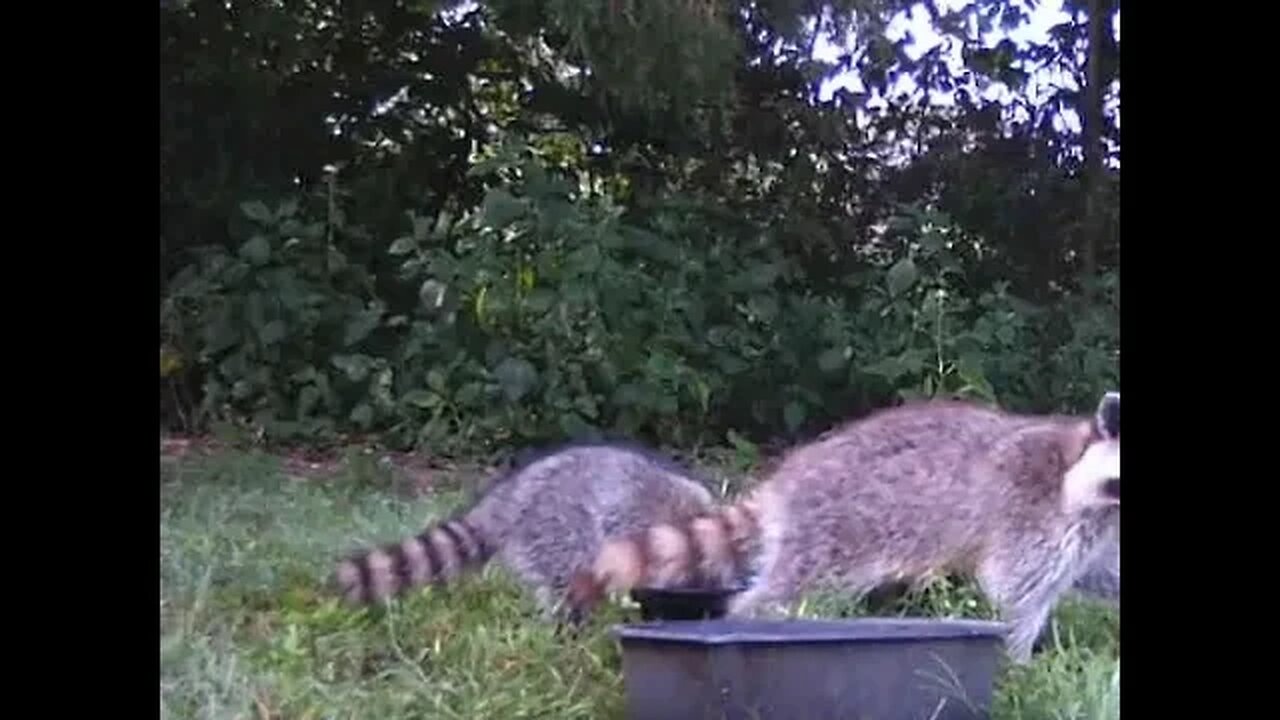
[(277, 328), (543, 314)]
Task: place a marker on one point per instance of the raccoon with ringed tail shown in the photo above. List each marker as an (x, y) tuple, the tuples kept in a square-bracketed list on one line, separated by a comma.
[(547, 516), (1024, 504), (712, 550)]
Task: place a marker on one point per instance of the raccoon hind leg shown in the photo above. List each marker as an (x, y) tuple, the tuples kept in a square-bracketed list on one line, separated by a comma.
[(759, 600), (783, 577), (545, 587), (765, 588)]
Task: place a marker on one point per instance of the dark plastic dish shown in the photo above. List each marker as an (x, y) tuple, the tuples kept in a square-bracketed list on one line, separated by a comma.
[(882, 668), (682, 603)]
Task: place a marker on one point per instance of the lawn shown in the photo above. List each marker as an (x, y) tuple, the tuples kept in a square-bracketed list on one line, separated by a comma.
[(247, 630)]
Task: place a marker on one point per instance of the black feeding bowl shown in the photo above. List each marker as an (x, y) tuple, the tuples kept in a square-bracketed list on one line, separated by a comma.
[(741, 669), (683, 603)]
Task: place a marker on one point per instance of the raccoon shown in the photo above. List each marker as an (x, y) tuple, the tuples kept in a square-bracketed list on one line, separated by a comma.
[(1101, 581), (547, 516), (1022, 503), (714, 549)]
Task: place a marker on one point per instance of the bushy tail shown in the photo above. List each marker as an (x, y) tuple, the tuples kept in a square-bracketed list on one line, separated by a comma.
[(711, 550), (436, 555)]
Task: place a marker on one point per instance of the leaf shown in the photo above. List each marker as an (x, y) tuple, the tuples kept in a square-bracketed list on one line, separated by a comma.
[(479, 304), (585, 260), (359, 327), (703, 392), (468, 394), (628, 395), (665, 403), (909, 361), (914, 359), (793, 414), (256, 210), (272, 333), (540, 300), (420, 226), (516, 377), (975, 381), (741, 444), (760, 277), (501, 208), (487, 166), (731, 364), (586, 406), (435, 380), (170, 361), (831, 360), (443, 222), (932, 240), (255, 310), (356, 367), (402, 245), (362, 415), (719, 335), (901, 223), (434, 431), (573, 426), (314, 231), (421, 399), (257, 250), (432, 292), (764, 307), (902, 276), (337, 260), (308, 399), (526, 278)]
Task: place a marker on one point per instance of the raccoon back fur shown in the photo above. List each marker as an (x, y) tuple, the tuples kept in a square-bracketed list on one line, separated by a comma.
[(547, 516), (1022, 503)]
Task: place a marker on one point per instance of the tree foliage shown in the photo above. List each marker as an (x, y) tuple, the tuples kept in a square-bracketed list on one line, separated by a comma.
[(461, 226)]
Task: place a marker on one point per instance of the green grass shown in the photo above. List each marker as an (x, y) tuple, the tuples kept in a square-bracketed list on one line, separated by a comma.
[(248, 631)]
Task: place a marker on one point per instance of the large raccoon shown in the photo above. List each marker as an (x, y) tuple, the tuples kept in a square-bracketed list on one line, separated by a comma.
[(547, 516), (1023, 503), (1101, 581)]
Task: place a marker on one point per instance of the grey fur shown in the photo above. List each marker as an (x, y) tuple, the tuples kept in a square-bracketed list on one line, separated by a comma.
[(546, 517), (1101, 581), (931, 487)]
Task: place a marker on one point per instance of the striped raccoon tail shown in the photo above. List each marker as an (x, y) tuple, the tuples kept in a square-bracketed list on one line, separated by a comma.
[(712, 550), (437, 555)]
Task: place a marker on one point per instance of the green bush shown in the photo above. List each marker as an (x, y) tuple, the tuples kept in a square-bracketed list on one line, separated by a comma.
[(543, 314)]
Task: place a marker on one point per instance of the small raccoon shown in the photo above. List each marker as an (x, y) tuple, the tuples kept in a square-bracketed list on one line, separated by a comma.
[(1022, 503), (547, 516)]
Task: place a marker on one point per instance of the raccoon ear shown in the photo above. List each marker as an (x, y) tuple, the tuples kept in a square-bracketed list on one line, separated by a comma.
[(1107, 417)]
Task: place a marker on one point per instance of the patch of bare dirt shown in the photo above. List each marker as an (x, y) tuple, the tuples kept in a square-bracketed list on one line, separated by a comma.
[(417, 471)]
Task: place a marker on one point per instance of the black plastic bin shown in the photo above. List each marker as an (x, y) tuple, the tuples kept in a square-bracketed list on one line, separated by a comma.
[(682, 603), (859, 669)]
